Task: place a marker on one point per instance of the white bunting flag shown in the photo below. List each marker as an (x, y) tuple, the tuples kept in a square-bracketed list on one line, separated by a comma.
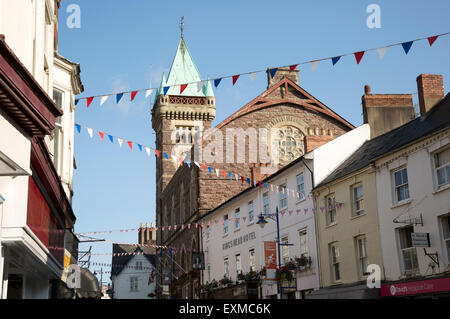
[(148, 92), (237, 177), (103, 99), (200, 85), (382, 52), (196, 163), (174, 158), (314, 65), (120, 141), (217, 172), (252, 76), (147, 149), (90, 131)]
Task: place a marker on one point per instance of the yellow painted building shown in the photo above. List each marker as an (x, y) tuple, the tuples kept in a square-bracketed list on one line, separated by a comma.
[(347, 231)]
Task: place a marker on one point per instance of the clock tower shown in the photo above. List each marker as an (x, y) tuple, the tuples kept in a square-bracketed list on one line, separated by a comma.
[(178, 113)]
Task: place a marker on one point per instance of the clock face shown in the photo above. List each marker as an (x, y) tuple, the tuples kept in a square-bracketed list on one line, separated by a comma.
[(291, 145)]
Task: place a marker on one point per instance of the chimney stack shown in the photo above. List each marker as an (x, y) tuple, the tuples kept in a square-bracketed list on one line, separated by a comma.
[(141, 235), (430, 90), (385, 112), (280, 74)]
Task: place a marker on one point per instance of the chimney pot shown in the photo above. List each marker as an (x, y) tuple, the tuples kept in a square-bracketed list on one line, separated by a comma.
[(367, 89)]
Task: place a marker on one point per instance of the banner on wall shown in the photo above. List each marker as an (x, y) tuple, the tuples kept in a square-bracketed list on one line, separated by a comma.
[(270, 259)]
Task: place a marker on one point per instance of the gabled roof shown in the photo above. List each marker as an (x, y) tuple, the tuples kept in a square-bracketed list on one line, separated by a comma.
[(437, 119), (119, 262), (265, 100), (182, 71)]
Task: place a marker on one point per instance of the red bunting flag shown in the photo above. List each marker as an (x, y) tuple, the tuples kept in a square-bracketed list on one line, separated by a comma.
[(183, 87), (157, 153), (89, 100), (204, 167), (292, 67), (133, 94), (101, 134), (432, 39), (242, 179), (235, 78), (224, 174), (130, 144), (358, 56)]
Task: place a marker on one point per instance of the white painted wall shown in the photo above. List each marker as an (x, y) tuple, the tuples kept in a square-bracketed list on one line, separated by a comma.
[(330, 155), (121, 283), (424, 199)]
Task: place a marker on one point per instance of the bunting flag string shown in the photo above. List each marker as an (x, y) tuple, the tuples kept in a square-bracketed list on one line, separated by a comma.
[(250, 219), (334, 59)]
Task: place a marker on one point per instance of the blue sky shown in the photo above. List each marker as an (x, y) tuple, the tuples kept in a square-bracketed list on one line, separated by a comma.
[(124, 45)]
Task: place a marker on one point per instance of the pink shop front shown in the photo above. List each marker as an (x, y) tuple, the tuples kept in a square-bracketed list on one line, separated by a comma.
[(437, 288)]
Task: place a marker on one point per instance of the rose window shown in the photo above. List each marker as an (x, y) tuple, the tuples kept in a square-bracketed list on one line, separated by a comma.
[(291, 143)]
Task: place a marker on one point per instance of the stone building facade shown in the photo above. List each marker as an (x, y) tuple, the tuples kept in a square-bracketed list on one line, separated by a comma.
[(187, 192)]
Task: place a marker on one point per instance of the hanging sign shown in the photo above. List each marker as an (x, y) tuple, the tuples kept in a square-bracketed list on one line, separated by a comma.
[(270, 259)]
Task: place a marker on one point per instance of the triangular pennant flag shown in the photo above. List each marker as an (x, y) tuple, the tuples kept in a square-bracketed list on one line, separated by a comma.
[(133, 94), (90, 131), (292, 67), (148, 92), (200, 85), (76, 101), (140, 147), (89, 100), (101, 135), (188, 163), (382, 52), (335, 59), (130, 144), (157, 153), (230, 175), (217, 172), (314, 65), (118, 97), (204, 167), (103, 99), (406, 46), (358, 56), (196, 163), (242, 179), (235, 78), (165, 89), (183, 87), (272, 72), (224, 174), (216, 82), (147, 149), (120, 141), (252, 76), (78, 127), (174, 158), (165, 155), (209, 169), (432, 39)]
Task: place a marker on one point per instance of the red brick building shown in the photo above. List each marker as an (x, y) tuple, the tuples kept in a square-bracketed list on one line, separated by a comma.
[(185, 193)]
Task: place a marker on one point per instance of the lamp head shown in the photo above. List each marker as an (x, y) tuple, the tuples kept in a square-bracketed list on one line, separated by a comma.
[(261, 221)]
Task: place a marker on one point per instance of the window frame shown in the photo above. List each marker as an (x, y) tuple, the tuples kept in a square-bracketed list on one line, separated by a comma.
[(331, 210), (226, 269), (397, 187), (225, 224), (301, 185), (436, 168), (403, 238), (361, 259), (355, 200), (266, 205), (282, 196), (237, 218), (251, 217), (304, 252), (251, 259), (238, 263), (335, 262), (285, 254)]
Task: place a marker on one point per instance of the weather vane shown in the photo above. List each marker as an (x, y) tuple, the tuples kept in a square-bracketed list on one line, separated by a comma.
[(182, 25)]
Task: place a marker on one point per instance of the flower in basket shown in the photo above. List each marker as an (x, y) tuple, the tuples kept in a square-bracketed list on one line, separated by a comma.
[(284, 274), (241, 276), (225, 281), (252, 275), (291, 265)]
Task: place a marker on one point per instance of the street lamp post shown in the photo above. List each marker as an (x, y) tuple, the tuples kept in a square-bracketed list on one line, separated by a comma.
[(262, 222)]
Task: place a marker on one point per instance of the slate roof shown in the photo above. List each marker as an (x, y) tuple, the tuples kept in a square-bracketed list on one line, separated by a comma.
[(437, 119), (118, 262)]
